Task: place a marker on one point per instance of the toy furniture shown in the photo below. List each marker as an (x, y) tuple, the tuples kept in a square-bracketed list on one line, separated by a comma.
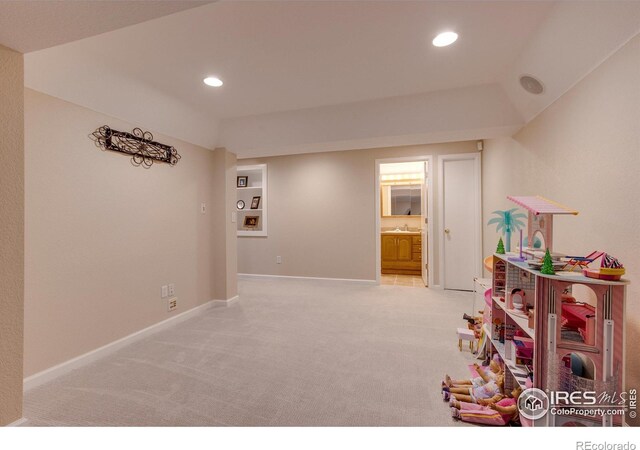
[(610, 269), (580, 319), (465, 334), (577, 340), (582, 262)]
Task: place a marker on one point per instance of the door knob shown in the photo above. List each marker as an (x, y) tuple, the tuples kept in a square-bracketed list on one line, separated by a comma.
[(446, 231)]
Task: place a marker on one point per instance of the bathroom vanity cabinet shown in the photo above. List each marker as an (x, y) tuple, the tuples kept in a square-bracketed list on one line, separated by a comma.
[(401, 253)]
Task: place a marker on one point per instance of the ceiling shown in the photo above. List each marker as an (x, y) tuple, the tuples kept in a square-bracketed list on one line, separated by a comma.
[(31, 25), (280, 57)]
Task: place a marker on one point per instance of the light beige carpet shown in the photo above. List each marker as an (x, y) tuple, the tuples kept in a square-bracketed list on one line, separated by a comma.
[(288, 353)]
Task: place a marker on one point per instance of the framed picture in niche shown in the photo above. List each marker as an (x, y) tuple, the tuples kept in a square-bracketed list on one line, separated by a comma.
[(255, 203), (243, 181), (251, 221)]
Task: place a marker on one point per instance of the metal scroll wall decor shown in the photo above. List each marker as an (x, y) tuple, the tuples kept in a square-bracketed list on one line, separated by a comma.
[(139, 144)]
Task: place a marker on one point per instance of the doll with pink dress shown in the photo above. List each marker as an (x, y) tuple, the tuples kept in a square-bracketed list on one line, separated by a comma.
[(499, 413)]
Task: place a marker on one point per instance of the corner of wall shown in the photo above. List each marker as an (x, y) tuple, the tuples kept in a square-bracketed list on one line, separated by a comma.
[(224, 238), (231, 163), (11, 234)]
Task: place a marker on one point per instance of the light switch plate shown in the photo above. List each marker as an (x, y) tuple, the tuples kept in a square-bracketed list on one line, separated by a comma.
[(164, 293), (172, 289)]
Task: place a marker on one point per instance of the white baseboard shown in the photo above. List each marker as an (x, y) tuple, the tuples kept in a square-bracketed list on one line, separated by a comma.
[(18, 422), (343, 280), (79, 361), (226, 302)]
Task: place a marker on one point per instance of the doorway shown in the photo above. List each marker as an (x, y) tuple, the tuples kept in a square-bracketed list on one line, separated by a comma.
[(403, 229)]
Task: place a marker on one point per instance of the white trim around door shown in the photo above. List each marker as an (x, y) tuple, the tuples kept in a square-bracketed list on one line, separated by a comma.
[(430, 168)]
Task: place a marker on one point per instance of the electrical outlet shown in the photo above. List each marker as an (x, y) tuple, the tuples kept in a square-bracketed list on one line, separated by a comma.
[(172, 289), (234, 217), (164, 292), (172, 304), (278, 259)]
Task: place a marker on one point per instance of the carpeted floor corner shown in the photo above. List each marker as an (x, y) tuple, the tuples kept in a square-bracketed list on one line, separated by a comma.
[(288, 353)]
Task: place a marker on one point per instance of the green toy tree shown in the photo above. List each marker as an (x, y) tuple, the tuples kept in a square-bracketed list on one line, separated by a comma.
[(500, 249), (547, 264)]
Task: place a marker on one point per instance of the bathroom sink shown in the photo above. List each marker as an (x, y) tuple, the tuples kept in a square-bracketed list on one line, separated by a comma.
[(401, 231)]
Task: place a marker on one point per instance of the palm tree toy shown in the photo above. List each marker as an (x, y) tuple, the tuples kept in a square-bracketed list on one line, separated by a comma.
[(507, 222)]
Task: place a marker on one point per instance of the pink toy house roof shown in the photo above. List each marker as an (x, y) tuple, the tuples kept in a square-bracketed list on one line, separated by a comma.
[(540, 205)]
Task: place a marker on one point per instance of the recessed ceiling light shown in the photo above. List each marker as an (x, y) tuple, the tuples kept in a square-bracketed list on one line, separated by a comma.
[(444, 39), (213, 81)]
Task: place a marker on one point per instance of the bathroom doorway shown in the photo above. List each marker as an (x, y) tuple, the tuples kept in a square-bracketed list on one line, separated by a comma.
[(403, 209)]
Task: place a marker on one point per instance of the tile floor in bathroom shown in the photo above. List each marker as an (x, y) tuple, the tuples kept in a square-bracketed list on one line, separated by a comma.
[(401, 280)]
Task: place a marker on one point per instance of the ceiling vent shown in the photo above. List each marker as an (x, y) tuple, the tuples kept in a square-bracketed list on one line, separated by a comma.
[(531, 84)]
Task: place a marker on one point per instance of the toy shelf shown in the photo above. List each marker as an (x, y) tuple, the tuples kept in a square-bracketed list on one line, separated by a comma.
[(575, 341), (572, 277), (522, 322), (499, 277), (520, 375)]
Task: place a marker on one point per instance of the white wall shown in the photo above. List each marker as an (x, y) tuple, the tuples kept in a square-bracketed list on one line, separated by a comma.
[(11, 233), (322, 213), (103, 236), (584, 152), (456, 115), (121, 96), (575, 38)]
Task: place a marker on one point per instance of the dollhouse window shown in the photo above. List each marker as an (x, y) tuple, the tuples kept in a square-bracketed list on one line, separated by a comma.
[(579, 365), (577, 372), (539, 241)]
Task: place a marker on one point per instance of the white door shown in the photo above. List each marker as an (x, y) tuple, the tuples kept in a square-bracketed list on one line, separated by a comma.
[(461, 220)]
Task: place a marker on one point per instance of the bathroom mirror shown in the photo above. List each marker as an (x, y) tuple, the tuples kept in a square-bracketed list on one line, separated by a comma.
[(401, 200)]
